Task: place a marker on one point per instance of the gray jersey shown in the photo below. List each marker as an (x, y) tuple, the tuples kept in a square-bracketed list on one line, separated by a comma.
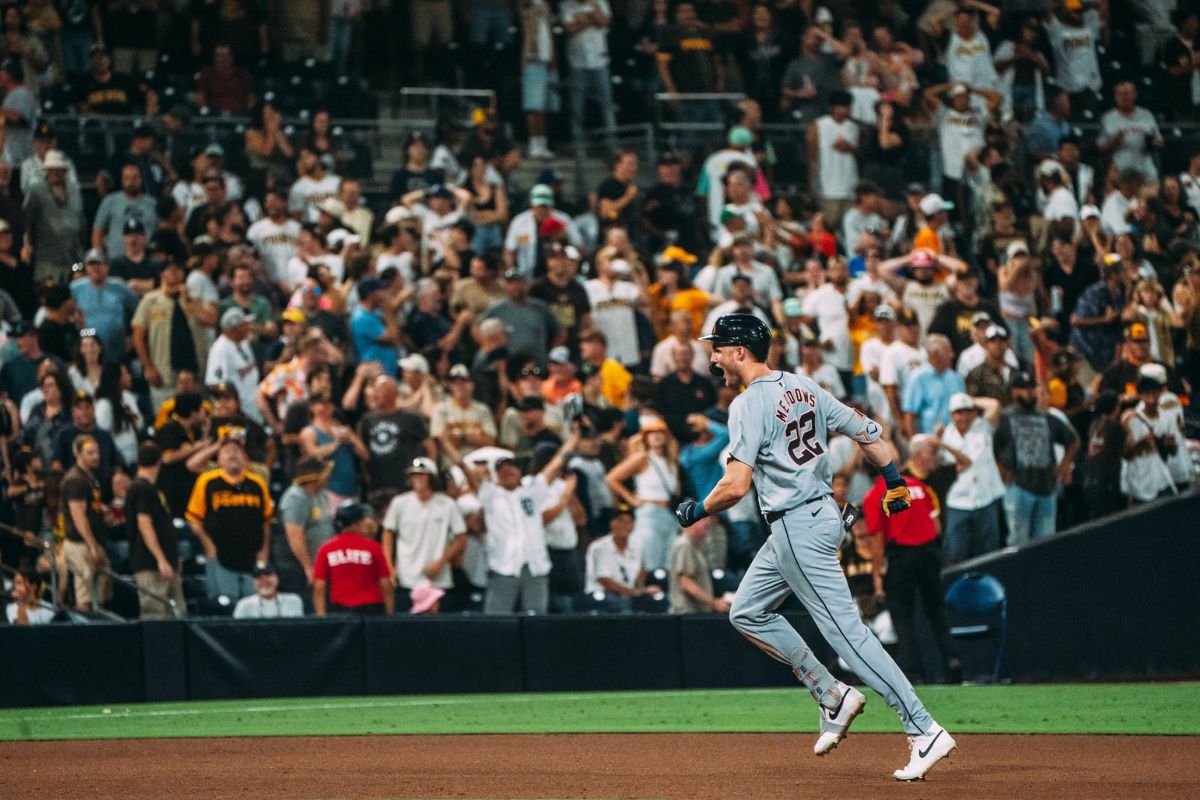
[(778, 426)]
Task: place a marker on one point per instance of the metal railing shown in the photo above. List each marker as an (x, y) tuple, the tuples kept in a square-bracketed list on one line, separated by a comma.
[(32, 540)]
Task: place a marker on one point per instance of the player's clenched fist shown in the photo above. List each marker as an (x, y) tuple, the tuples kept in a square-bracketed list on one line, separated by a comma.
[(689, 512), (896, 500)]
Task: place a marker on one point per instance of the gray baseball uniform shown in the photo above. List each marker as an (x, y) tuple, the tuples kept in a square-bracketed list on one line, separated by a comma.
[(778, 427)]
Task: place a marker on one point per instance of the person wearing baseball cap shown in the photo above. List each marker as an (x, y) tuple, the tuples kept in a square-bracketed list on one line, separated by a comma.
[(1024, 448), (562, 382), (521, 242), (1122, 375), (373, 325), (935, 211), (991, 378), (974, 500), (231, 360), (517, 555), (306, 516), (268, 602), (670, 211), (351, 573), (423, 534), (106, 304), (230, 511)]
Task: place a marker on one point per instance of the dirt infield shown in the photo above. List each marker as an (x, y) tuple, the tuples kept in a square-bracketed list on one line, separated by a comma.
[(751, 766)]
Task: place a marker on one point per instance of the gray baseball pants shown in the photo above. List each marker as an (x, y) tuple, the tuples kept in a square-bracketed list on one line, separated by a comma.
[(801, 557)]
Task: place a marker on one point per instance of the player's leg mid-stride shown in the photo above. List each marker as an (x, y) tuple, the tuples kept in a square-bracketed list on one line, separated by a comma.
[(777, 443)]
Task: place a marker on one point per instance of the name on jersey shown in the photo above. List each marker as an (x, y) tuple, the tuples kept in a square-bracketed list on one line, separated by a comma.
[(790, 398), (340, 558), (225, 499)]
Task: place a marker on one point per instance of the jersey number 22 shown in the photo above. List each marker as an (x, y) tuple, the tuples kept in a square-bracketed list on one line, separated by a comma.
[(802, 433)]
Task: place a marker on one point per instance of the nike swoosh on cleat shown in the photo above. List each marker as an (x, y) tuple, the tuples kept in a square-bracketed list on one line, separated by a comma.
[(925, 752)]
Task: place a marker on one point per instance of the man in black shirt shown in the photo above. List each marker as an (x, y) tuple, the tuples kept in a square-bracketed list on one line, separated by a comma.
[(558, 289), (684, 392), (57, 333), (1181, 60), (953, 317), (1065, 275), (670, 212), (227, 413), (178, 440), (153, 539), (618, 192), (83, 424), (393, 437), (105, 92)]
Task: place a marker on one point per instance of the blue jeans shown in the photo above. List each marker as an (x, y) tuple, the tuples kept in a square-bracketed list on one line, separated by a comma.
[(972, 533), (593, 83), (1030, 516), (654, 531), (76, 51), (220, 581), (491, 25), (341, 32)]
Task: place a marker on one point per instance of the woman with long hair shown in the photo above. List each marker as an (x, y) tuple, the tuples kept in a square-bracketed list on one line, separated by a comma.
[(89, 362), (268, 148), (653, 464), (49, 416), (488, 209), (329, 440), (117, 411), (1149, 305)]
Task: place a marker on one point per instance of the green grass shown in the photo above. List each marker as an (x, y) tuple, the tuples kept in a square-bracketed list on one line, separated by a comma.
[(1160, 708)]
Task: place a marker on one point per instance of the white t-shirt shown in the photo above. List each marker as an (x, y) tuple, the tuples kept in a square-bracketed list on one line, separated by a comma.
[(1133, 152), (979, 484), (604, 560), (515, 534), (1112, 213), (827, 306), (283, 604), (403, 262), (587, 49), (975, 355), (1061, 204), (560, 531), (276, 243), (233, 362), (924, 300), (837, 172), (306, 194), (1075, 64), (827, 378), (970, 60), (712, 184), (870, 354), (612, 313), (762, 278), (960, 132), (898, 363), (522, 238), (1170, 421), (35, 616), (423, 532)]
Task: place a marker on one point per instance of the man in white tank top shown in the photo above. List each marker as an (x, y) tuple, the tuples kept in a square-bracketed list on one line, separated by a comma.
[(832, 146)]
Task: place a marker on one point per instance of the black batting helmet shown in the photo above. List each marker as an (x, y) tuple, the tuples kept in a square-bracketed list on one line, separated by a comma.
[(746, 330), (348, 513)]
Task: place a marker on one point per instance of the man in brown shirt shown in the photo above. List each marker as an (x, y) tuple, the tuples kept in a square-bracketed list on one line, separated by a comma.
[(691, 589), (83, 520)]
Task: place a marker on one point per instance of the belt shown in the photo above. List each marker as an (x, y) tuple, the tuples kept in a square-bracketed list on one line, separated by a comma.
[(775, 516)]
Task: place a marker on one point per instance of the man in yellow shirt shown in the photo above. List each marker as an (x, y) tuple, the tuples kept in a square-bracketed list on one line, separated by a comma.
[(614, 378)]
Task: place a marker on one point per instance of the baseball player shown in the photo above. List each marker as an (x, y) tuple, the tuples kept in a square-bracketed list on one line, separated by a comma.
[(777, 431)]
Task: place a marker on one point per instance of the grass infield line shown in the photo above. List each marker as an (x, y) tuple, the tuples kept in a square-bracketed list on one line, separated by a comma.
[(1159, 708)]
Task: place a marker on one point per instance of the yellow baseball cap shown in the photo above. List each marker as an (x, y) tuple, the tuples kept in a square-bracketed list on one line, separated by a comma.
[(293, 315), (676, 253)]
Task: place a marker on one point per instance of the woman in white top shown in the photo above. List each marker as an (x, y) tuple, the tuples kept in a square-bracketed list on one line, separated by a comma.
[(26, 608), (89, 364), (117, 410), (653, 463)]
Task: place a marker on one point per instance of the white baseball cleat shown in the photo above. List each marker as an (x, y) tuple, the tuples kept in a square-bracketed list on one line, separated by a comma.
[(927, 750), (835, 722)]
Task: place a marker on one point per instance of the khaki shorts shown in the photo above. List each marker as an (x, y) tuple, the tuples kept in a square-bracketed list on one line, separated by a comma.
[(83, 570), (153, 608)]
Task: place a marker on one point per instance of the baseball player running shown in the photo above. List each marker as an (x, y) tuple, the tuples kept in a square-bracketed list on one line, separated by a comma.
[(777, 431)]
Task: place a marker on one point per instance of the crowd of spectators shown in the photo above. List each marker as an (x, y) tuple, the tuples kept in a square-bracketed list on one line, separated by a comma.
[(462, 392)]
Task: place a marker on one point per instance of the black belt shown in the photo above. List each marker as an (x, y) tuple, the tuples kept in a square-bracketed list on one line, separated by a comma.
[(775, 516)]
